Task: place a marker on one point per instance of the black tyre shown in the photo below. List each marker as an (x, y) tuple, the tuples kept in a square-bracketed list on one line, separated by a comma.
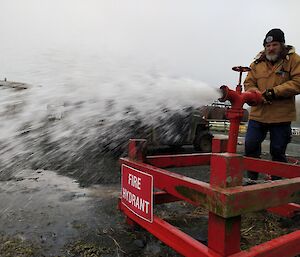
[(203, 142)]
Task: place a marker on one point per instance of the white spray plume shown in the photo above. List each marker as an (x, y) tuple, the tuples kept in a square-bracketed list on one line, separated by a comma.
[(66, 121)]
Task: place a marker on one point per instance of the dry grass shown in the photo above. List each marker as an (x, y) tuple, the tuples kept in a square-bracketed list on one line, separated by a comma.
[(12, 247)]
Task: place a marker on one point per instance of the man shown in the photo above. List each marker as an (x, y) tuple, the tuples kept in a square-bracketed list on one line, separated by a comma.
[(275, 73)]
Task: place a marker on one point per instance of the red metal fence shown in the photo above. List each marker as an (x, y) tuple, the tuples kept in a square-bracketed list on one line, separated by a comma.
[(224, 197)]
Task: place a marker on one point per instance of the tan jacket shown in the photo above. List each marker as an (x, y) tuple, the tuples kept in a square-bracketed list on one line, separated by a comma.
[(284, 77)]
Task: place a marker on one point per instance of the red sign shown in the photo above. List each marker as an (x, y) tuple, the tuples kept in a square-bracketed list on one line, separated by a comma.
[(137, 192)]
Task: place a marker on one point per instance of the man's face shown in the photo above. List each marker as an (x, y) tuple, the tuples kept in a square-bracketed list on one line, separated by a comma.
[(273, 51)]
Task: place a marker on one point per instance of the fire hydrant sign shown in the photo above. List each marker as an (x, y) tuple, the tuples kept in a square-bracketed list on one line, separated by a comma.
[(137, 192)]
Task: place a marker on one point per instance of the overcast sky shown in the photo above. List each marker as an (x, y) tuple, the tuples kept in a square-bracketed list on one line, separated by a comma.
[(196, 39)]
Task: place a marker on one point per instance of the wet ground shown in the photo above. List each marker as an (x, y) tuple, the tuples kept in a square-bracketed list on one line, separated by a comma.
[(46, 214), (43, 213), (50, 211)]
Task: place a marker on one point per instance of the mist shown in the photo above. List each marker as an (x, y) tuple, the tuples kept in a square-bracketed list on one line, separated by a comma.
[(197, 40)]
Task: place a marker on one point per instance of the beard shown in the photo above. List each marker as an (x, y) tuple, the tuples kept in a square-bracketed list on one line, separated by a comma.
[(272, 57)]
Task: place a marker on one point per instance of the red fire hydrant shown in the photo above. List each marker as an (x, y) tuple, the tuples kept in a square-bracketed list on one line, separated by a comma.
[(237, 100)]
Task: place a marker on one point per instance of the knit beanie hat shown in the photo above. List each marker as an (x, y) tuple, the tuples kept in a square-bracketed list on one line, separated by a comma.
[(274, 35)]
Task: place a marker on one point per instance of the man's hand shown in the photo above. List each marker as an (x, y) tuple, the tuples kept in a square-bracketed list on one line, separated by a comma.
[(269, 95)]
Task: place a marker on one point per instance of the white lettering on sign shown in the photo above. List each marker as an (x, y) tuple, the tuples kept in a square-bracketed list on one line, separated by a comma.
[(136, 201), (134, 181), (137, 192)]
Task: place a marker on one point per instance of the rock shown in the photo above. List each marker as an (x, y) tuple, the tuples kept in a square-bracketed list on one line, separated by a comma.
[(202, 237), (153, 248), (139, 243)]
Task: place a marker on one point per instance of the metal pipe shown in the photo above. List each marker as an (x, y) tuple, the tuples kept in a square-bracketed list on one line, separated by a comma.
[(235, 113), (238, 99)]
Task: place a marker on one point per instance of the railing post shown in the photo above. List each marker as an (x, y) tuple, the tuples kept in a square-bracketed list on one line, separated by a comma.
[(137, 149), (226, 171), (219, 144)]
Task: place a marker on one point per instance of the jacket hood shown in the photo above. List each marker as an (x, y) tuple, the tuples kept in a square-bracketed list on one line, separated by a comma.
[(287, 51)]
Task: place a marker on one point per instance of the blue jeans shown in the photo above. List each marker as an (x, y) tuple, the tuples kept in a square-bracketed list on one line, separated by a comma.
[(280, 136)]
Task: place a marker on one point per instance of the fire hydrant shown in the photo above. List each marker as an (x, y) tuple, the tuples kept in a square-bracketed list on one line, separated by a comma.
[(235, 112)]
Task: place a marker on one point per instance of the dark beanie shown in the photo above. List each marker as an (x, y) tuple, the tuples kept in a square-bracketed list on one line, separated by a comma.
[(274, 35)]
